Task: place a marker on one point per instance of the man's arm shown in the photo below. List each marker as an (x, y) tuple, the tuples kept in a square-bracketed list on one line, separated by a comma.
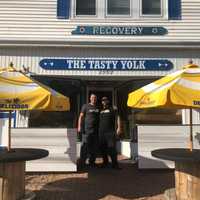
[(118, 122), (80, 120), (119, 125)]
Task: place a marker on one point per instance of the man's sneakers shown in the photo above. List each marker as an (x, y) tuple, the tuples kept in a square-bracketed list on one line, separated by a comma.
[(104, 165), (116, 166), (113, 166), (92, 165), (81, 165)]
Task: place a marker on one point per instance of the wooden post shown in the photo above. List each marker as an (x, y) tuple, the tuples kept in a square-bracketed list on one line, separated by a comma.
[(9, 130), (12, 180), (187, 181), (191, 132)]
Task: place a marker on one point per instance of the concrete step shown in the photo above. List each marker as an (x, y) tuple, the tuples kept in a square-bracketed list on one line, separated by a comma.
[(51, 149), (37, 132), (39, 141), (50, 167)]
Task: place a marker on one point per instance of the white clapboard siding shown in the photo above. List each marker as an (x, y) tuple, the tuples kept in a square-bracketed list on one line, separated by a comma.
[(36, 20), (151, 137), (60, 142)]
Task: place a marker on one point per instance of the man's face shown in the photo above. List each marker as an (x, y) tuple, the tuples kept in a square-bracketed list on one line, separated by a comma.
[(93, 99), (105, 103)]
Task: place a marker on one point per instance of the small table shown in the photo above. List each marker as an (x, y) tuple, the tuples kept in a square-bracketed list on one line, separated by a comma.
[(12, 171), (187, 171)]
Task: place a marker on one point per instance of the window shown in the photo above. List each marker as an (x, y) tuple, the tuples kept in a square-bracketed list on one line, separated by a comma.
[(118, 7), (151, 7), (86, 7), (158, 116)]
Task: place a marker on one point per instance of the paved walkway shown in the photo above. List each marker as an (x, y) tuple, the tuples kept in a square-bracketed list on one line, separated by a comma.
[(102, 184)]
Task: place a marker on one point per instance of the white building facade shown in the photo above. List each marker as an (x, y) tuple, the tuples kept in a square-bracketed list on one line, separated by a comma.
[(107, 47)]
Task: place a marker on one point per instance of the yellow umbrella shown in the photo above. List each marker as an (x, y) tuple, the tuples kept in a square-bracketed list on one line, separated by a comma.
[(20, 92), (180, 89)]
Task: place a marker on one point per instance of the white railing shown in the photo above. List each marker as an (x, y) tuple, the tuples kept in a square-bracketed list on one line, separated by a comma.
[(60, 142), (151, 137)]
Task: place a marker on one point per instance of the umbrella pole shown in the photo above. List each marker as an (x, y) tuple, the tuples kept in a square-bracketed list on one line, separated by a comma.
[(191, 132), (9, 130)]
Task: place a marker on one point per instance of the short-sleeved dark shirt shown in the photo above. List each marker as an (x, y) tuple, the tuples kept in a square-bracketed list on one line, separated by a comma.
[(107, 120), (91, 118)]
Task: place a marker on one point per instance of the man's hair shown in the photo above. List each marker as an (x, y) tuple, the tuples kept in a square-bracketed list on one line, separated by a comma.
[(104, 99), (92, 94)]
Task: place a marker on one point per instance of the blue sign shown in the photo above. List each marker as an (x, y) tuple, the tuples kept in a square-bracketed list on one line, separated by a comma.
[(5, 115), (114, 64), (119, 30)]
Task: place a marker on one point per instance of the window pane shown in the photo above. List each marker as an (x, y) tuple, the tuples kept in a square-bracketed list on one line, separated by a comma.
[(151, 7), (85, 7), (158, 116), (118, 7)]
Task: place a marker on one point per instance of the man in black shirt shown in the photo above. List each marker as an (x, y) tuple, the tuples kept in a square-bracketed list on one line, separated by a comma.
[(88, 126), (108, 120)]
